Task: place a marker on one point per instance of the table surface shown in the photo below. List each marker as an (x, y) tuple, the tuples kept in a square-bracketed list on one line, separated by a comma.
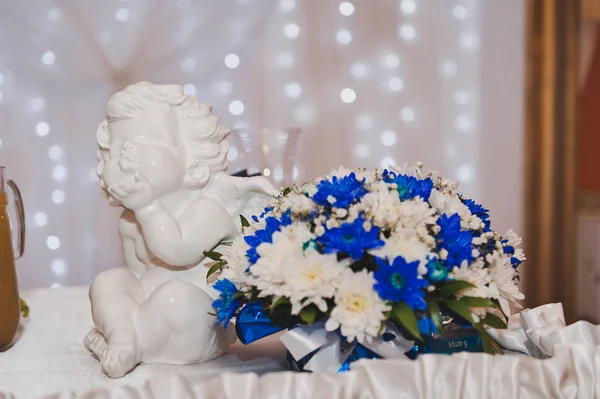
[(48, 355)]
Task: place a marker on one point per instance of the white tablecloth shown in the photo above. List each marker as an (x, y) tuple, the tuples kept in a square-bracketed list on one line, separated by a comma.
[(49, 355)]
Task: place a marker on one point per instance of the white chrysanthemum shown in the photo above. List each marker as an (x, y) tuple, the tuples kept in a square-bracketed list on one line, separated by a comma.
[(311, 279), (407, 244), (267, 271), (449, 204), (309, 189), (502, 281), (514, 240), (358, 310), (237, 261), (474, 274), (298, 232)]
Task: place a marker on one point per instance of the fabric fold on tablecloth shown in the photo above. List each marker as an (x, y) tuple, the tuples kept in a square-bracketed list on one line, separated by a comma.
[(563, 362)]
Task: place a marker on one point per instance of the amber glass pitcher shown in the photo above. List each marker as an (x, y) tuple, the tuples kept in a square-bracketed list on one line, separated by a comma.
[(10, 305)]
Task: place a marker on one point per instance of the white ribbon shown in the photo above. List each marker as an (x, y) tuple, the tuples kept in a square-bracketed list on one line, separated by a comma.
[(303, 340)]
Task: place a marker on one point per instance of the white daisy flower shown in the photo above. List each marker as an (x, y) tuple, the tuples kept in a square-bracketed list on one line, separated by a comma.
[(474, 274), (311, 279), (449, 204), (237, 261), (502, 281), (408, 245), (358, 310)]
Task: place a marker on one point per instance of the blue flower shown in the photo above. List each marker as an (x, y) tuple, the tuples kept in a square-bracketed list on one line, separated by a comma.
[(426, 326), (266, 235), (436, 270), (479, 211), (226, 306), (453, 240), (345, 190), (350, 238), (263, 214), (515, 262), (399, 282), (409, 187)]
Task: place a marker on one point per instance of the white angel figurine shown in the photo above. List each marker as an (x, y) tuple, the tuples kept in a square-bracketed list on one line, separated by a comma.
[(163, 157)]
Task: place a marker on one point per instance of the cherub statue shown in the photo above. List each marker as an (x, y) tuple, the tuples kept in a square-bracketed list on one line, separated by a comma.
[(163, 158)]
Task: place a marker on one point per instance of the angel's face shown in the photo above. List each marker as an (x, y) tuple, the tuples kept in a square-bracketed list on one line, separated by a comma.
[(147, 146)]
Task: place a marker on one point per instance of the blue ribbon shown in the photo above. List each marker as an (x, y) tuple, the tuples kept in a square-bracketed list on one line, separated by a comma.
[(253, 324)]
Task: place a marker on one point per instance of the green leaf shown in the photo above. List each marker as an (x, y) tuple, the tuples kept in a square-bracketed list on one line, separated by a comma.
[(215, 268), (280, 301), (453, 287), (434, 310), (475, 302), (488, 347), (405, 316), (493, 321), (308, 315), (212, 255), (237, 295), (461, 309), (245, 222), (24, 308)]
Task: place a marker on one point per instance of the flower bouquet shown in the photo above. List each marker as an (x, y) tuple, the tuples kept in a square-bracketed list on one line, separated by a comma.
[(381, 263)]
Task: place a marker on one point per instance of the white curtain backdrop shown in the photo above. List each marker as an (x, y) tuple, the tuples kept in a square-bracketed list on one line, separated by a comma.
[(370, 82)]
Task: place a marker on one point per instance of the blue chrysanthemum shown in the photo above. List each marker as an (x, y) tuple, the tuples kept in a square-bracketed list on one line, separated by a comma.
[(263, 214), (479, 211), (226, 306), (436, 270), (265, 235), (345, 190), (455, 241), (399, 282), (350, 238), (409, 187)]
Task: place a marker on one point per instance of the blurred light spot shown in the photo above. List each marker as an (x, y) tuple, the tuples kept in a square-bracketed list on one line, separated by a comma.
[(449, 68), (388, 138), (188, 64), (54, 152), (460, 97), (358, 70), (53, 242), (285, 60), (59, 173), (56, 285), (59, 267), (233, 154), (305, 113), (459, 12), (189, 89), (53, 14), (296, 173), (464, 173), (346, 8), (41, 219), (38, 104), (395, 84), (407, 114), (293, 90), (391, 60), (364, 122), (408, 32), (287, 5), (42, 129), (408, 6), (343, 36), (48, 58), (387, 161), (463, 123), (291, 30), (267, 172), (469, 41), (236, 107), (58, 197), (122, 14), (225, 87), (232, 61), (348, 95), (361, 150)]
